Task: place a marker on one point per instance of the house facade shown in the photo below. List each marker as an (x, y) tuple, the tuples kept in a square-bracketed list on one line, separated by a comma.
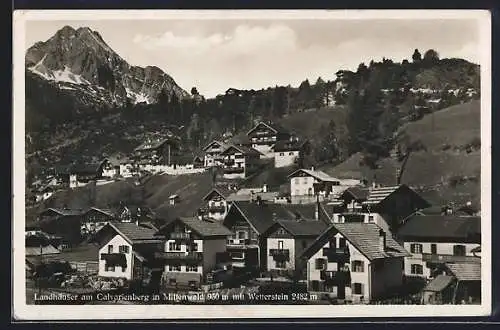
[(192, 249), (239, 161), (435, 240), (126, 250), (354, 262), (213, 152), (264, 136), (216, 203), (94, 219), (155, 152), (387, 207), (82, 174), (307, 184), (286, 240), (289, 153)]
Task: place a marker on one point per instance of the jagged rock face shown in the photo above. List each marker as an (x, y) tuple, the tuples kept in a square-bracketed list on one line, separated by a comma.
[(76, 59)]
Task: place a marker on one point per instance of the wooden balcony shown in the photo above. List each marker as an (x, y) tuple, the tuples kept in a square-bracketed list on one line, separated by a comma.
[(179, 256), (336, 255), (280, 254), (341, 277), (216, 209), (180, 236), (234, 170)]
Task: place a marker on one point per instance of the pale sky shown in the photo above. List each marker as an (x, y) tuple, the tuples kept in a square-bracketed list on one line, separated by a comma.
[(214, 55)]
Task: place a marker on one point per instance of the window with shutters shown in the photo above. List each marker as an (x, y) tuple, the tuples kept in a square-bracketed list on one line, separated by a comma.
[(417, 269), (358, 266), (280, 245), (342, 242), (281, 264), (320, 263), (358, 288), (416, 248), (123, 249), (434, 248), (110, 248)]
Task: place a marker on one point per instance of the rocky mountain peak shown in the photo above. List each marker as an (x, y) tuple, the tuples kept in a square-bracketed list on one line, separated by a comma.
[(81, 59)]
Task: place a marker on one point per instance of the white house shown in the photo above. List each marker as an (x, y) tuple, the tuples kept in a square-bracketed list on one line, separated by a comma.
[(126, 250), (287, 239), (354, 262), (239, 161), (213, 152), (264, 136), (305, 184), (387, 207), (193, 247), (288, 153), (434, 240), (217, 204)]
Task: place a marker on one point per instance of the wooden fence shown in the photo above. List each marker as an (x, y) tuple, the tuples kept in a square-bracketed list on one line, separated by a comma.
[(87, 267)]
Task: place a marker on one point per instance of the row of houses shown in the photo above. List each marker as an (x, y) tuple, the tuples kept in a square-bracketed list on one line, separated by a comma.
[(359, 248)]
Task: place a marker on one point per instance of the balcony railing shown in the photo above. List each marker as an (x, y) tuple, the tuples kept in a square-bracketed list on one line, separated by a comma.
[(217, 209), (180, 256), (238, 241), (336, 255), (340, 277), (178, 235), (228, 162), (280, 254), (234, 170)]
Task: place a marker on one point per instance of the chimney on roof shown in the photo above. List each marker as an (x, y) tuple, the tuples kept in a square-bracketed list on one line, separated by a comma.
[(312, 168), (382, 239), (264, 188)]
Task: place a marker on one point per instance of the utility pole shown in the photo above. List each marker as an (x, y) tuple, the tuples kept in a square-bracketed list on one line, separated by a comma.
[(40, 267)]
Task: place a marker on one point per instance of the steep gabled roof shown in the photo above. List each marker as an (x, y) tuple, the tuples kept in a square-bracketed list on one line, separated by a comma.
[(320, 175), (224, 192), (205, 228), (135, 234), (151, 145), (363, 236), (358, 193), (273, 126), (465, 271), (289, 145), (63, 212), (260, 217), (107, 212), (219, 143), (301, 228), (435, 227), (243, 149), (439, 283)]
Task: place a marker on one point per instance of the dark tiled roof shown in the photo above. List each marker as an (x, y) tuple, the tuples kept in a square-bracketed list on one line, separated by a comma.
[(223, 145), (63, 212), (263, 216), (274, 126), (360, 194), (46, 250), (439, 283), (89, 168), (151, 145), (243, 149), (289, 145), (442, 226), (320, 175), (134, 233), (206, 228), (465, 271), (303, 228), (304, 211), (363, 236), (222, 191)]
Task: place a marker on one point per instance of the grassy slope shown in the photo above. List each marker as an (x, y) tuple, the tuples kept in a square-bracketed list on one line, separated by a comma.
[(431, 170)]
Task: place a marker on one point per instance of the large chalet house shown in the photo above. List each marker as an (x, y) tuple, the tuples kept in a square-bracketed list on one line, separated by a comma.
[(213, 152), (354, 262), (216, 202), (434, 240), (239, 161), (94, 219), (388, 207), (83, 173), (249, 222), (193, 248), (126, 250), (290, 152), (264, 136), (286, 240), (308, 184), (155, 152)]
